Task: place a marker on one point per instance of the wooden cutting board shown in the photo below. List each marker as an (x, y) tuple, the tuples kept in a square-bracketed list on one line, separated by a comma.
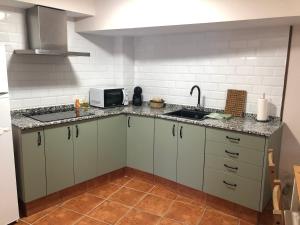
[(236, 102)]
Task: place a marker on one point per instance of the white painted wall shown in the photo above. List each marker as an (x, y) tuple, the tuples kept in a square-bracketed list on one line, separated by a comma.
[(124, 14), (86, 7), (46, 80), (252, 59), (290, 149)]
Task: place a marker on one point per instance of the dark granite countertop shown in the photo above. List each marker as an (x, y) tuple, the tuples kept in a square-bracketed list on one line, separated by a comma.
[(248, 124)]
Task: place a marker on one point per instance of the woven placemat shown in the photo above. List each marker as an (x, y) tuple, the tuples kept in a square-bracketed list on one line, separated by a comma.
[(236, 102)]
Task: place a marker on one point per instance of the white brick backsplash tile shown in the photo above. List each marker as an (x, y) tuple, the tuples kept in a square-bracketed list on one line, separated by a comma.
[(264, 71), (196, 69), (238, 44), (245, 70), (249, 59), (236, 60), (278, 71), (273, 81)]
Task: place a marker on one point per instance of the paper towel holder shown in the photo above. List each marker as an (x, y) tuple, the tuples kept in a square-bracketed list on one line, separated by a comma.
[(264, 105)]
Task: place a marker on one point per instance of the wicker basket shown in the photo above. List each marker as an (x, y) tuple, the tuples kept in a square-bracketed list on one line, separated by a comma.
[(156, 104)]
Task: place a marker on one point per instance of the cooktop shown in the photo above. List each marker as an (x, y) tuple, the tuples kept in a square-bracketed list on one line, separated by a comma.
[(53, 116)]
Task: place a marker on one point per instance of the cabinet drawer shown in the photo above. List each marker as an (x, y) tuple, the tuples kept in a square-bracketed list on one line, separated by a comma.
[(234, 167), (236, 153), (233, 188), (236, 139)]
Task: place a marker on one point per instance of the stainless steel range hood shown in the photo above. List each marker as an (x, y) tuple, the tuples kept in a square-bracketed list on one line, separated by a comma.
[(47, 33)]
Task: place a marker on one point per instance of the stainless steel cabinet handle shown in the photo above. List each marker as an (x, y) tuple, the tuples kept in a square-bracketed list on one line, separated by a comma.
[(231, 167), (39, 141), (173, 130), (128, 121), (69, 133), (232, 139), (234, 154), (229, 184), (77, 131), (181, 131)]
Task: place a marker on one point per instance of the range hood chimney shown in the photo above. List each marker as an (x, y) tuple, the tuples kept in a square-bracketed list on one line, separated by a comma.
[(47, 33)]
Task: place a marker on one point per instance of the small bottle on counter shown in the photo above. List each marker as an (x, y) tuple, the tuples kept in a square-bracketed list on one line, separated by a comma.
[(77, 104)]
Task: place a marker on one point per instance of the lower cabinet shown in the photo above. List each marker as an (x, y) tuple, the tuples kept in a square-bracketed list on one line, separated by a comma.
[(140, 133), (190, 160), (31, 165), (233, 188), (111, 144), (226, 164), (179, 152), (59, 158), (234, 167), (165, 149), (85, 151)]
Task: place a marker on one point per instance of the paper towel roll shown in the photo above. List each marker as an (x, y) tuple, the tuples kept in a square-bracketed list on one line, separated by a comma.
[(262, 109)]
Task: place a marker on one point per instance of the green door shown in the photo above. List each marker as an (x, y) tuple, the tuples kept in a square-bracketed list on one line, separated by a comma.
[(112, 144), (190, 162), (85, 151), (59, 158), (140, 134), (33, 177), (165, 149)]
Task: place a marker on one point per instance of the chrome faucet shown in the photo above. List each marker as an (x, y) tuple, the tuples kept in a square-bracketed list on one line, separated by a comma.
[(199, 94)]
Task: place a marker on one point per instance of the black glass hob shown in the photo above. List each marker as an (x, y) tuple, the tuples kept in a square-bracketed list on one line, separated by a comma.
[(54, 116)]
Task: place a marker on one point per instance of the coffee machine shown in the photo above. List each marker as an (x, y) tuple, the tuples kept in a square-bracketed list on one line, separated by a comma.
[(137, 99)]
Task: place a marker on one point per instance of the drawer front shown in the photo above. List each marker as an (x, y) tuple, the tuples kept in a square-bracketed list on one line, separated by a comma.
[(233, 188), (236, 153), (236, 139), (234, 167)]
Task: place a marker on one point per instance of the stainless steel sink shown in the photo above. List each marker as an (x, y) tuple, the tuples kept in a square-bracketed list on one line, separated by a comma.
[(189, 114)]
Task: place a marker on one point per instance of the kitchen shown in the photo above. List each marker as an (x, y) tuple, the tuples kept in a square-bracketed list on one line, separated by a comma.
[(96, 164)]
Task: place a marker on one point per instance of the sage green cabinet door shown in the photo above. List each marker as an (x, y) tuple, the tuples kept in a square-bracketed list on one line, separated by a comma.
[(59, 158), (112, 144), (33, 166), (85, 151), (190, 162), (140, 134), (165, 149)]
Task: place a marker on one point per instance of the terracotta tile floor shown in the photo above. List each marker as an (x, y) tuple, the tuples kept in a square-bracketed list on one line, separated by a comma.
[(132, 201)]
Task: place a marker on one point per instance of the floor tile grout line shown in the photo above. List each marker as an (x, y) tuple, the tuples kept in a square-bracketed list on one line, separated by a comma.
[(151, 189), (53, 211), (23, 221), (47, 214), (102, 221), (222, 212), (181, 223), (85, 215), (78, 220), (123, 216), (169, 208), (134, 206), (61, 205), (105, 199), (201, 217), (108, 199)]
